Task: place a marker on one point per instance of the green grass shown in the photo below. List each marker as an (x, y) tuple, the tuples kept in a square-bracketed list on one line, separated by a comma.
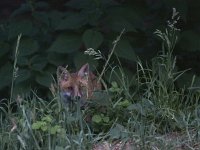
[(149, 110)]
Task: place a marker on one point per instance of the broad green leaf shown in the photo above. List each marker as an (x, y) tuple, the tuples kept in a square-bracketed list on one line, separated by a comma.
[(66, 44), (57, 58), (36, 126), (41, 5), (81, 59), (125, 50), (55, 17), (124, 103), (130, 22), (106, 119), (4, 48), (114, 84), (72, 21), (55, 129), (38, 62), (23, 75), (22, 60), (24, 27), (92, 39), (96, 118), (27, 47), (80, 4), (42, 17), (24, 8), (5, 75), (44, 79), (190, 41), (118, 23), (44, 128), (47, 118)]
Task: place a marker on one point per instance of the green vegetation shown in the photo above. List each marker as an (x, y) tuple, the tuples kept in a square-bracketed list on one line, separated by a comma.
[(57, 33), (149, 109)]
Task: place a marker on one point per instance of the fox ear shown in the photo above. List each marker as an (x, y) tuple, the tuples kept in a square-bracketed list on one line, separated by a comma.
[(62, 73), (84, 71)]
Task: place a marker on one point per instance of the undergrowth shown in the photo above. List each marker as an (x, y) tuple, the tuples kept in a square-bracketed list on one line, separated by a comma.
[(147, 109)]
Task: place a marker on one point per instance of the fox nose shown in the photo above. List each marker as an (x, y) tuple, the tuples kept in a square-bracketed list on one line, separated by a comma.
[(66, 97), (77, 93)]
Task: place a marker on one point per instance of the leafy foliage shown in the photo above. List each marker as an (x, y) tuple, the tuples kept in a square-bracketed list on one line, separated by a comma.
[(53, 36), (155, 107)]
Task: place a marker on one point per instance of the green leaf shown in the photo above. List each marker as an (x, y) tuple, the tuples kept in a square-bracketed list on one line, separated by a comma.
[(4, 48), (115, 87), (92, 39), (5, 75), (24, 27), (117, 18), (124, 103), (27, 47), (66, 44), (119, 23), (47, 118), (97, 118), (190, 41), (81, 59), (23, 75), (37, 125), (44, 128), (114, 84), (23, 61), (80, 4), (106, 119), (44, 79), (55, 17), (24, 8), (56, 58), (41, 17), (72, 21), (38, 62), (55, 129), (125, 50)]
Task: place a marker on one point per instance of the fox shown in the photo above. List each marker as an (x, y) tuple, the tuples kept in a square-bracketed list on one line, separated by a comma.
[(77, 85)]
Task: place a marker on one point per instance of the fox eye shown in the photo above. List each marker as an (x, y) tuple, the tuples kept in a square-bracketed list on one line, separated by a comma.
[(70, 88)]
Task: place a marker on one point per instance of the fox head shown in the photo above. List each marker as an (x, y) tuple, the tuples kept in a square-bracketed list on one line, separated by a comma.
[(79, 85)]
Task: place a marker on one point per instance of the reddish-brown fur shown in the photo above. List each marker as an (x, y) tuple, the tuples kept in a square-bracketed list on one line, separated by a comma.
[(79, 84)]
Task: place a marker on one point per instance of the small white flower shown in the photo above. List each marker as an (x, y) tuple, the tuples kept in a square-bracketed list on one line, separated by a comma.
[(92, 52)]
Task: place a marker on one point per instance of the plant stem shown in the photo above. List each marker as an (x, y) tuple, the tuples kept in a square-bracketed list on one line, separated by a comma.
[(15, 69), (111, 53)]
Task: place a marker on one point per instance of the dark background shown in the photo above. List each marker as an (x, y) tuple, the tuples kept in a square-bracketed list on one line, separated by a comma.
[(57, 32)]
